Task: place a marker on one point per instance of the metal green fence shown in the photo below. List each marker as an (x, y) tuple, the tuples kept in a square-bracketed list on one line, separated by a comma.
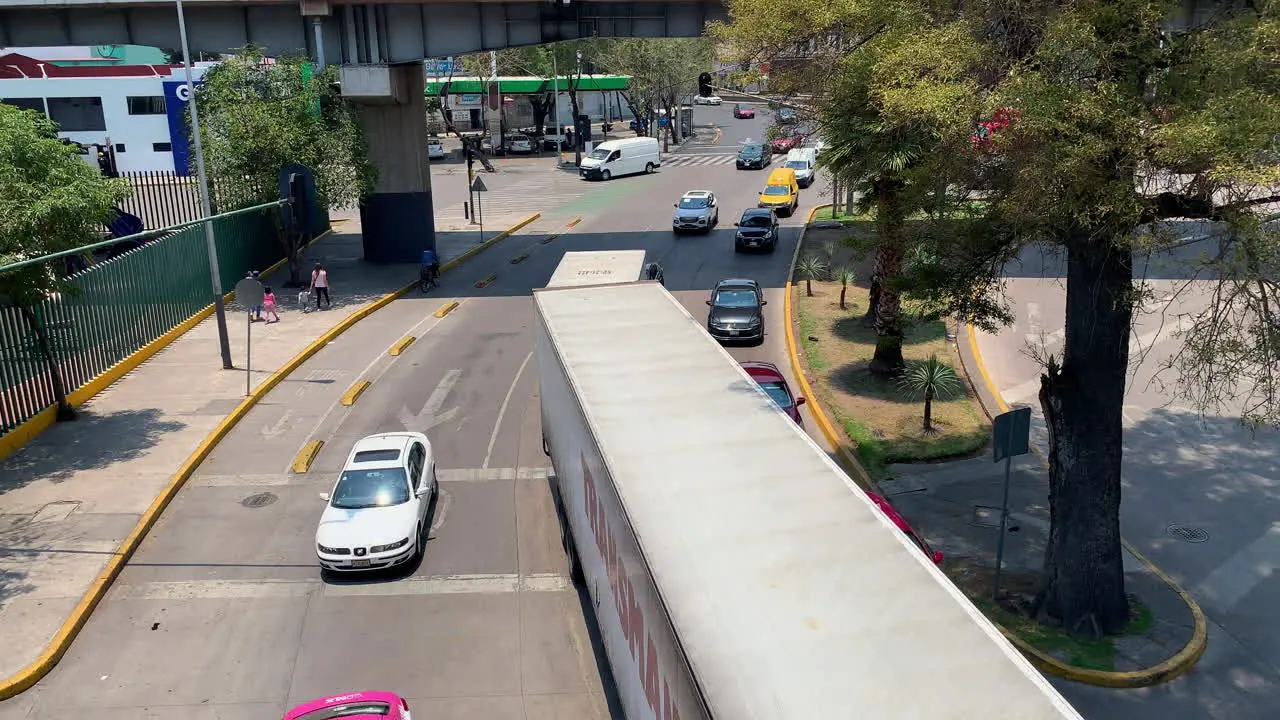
[(118, 306)]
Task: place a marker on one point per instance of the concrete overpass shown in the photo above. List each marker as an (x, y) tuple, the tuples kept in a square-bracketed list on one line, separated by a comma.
[(347, 32)]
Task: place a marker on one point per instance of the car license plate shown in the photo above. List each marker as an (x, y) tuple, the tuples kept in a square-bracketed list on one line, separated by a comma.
[(733, 332), (359, 563)]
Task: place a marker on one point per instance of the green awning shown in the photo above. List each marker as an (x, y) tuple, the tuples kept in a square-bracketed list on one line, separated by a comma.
[(529, 85)]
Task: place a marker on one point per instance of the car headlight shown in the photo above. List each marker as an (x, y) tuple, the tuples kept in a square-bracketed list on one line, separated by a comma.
[(389, 546), (768, 235), (332, 551), (754, 323)]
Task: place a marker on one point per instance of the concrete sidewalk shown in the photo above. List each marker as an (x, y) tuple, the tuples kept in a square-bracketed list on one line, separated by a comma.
[(70, 497)]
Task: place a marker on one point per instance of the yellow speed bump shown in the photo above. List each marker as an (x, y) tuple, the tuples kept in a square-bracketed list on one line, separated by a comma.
[(447, 308), (400, 345), (353, 393), (485, 282), (306, 456)]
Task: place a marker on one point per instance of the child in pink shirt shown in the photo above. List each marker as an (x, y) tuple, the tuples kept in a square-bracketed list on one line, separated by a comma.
[(269, 305)]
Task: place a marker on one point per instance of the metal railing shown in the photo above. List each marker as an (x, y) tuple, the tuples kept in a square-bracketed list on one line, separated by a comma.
[(164, 199), (115, 307)]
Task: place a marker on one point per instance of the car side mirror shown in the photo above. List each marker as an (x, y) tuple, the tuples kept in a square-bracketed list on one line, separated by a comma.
[(423, 491), (763, 303), (675, 205), (324, 497), (736, 225), (799, 401), (937, 557), (708, 302)]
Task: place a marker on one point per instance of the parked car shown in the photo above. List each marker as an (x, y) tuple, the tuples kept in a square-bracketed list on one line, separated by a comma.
[(435, 149), (520, 144), (770, 379), (786, 115), (743, 112), (753, 155), (786, 144), (353, 706), (377, 511), (737, 311), (697, 210), (902, 524), (758, 229), (708, 100)]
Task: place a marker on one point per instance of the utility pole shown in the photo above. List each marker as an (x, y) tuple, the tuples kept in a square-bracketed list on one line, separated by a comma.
[(555, 108), (211, 244), (577, 134)]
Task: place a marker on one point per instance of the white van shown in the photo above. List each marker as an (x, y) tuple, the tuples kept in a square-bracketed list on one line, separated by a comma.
[(805, 162), (622, 157)]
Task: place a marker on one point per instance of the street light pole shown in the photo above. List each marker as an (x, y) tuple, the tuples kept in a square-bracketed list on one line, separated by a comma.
[(211, 244), (577, 136)]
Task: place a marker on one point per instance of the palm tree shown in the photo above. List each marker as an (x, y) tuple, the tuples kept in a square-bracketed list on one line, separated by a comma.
[(932, 379), (846, 277), (810, 268)]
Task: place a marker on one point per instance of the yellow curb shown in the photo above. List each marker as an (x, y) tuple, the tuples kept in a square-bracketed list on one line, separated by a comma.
[(353, 393), (57, 647), (307, 455), (447, 308), (1177, 664), (488, 243), (485, 282), (11, 441), (715, 140), (573, 222), (400, 345)]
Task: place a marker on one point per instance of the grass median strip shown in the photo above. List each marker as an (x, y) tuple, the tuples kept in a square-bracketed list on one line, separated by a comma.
[(353, 393), (400, 345), (306, 456)]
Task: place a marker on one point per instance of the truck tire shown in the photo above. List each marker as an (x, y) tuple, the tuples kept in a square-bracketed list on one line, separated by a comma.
[(575, 567), (546, 449)]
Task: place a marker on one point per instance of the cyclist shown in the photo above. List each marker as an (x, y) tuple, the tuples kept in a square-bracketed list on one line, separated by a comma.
[(429, 269)]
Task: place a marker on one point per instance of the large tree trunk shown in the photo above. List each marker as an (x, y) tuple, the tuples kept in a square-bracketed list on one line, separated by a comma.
[(540, 106), (65, 412), (890, 254), (1082, 401)]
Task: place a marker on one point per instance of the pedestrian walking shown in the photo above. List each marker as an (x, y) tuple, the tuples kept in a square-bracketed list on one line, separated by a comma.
[(256, 310), (269, 304), (320, 285)]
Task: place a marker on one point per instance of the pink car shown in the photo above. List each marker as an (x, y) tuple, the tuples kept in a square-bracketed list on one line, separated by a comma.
[(902, 525), (357, 706)]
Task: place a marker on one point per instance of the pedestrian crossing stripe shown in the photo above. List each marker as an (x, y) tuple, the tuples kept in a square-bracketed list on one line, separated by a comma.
[(697, 160)]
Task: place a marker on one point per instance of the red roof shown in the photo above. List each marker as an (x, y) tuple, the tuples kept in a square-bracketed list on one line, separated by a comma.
[(15, 66)]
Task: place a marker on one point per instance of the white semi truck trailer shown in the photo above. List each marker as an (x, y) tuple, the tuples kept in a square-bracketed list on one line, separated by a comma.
[(736, 572)]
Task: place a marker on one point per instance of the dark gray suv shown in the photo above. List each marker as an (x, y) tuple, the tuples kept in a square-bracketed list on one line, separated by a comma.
[(737, 311), (757, 230)]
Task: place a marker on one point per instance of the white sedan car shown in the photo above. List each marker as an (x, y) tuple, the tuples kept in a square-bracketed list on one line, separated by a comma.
[(709, 100), (377, 513), (435, 149)]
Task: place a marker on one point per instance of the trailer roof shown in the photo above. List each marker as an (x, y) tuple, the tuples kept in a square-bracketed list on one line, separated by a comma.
[(792, 595), (597, 267)]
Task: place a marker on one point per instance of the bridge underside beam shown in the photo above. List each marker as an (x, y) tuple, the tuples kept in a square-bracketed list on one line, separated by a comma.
[(399, 32)]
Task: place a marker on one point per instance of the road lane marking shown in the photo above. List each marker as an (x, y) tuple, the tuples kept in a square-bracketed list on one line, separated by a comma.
[(490, 474), (502, 411), (430, 415), (277, 589), (1226, 586)]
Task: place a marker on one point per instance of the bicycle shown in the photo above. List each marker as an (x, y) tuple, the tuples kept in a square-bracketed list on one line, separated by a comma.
[(428, 277)]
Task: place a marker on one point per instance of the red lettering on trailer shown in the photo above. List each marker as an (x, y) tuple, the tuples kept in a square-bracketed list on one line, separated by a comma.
[(635, 627)]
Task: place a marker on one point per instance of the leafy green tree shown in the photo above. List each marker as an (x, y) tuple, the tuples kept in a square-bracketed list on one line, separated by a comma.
[(663, 72), (931, 379), (533, 60), (51, 201), (258, 116)]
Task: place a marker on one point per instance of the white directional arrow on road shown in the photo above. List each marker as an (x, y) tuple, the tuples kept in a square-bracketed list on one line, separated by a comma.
[(431, 414)]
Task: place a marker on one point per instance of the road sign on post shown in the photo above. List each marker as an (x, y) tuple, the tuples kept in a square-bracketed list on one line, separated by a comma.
[(249, 293), (477, 187), (1010, 437)]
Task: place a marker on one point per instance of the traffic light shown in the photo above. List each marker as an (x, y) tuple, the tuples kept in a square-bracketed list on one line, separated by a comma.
[(704, 84)]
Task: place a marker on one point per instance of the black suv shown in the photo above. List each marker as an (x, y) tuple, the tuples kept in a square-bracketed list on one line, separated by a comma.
[(754, 155), (757, 229), (737, 311)]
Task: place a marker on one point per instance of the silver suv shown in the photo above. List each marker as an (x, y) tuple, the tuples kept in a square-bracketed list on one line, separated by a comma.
[(697, 210)]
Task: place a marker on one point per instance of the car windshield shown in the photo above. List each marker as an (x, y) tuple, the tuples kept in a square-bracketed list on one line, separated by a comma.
[(736, 297), (348, 710), (752, 150), (599, 154), (779, 393), (693, 203), (755, 221), (359, 489), (797, 164), (777, 190), (786, 112)]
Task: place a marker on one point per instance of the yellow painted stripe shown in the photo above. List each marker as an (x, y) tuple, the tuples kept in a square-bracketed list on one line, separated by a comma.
[(488, 243), (573, 222), (354, 392), (485, 282), (306, 456), (447, 308), (400, 345)]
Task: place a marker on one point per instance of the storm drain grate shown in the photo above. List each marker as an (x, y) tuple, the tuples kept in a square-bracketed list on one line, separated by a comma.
[(1186, 533), (259, 500)]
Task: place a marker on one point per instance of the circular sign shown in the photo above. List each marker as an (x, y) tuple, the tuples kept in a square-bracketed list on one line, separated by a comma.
[(249, 292), (182, 92)]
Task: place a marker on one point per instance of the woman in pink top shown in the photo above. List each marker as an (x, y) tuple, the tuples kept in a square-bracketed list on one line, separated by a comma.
[(320, 285)]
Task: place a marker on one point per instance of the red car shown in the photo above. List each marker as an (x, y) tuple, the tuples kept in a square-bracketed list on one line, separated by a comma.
[(902, 525), (743, 112), (783, 145), (370, 705), (770, 379)]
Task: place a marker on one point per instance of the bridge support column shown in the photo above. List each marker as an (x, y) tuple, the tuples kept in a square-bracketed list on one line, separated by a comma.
[(397, 219)]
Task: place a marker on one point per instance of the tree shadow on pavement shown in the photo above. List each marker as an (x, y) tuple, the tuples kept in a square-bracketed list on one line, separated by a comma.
[(92, 441)]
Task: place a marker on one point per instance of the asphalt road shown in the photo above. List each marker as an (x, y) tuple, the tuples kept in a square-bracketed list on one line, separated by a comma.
[(223, 613), (1208, 475)]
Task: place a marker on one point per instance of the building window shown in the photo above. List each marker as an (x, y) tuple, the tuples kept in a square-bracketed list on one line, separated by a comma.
[(77, 114), (161, 147), (36, 104), (146, 104), (119, 147)]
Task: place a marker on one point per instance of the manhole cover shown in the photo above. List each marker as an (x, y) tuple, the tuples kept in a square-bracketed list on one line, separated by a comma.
[(259, 500), (1186, 533)]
